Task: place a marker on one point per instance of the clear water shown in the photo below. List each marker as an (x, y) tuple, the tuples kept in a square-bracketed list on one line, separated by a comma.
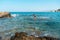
[(46, 22)]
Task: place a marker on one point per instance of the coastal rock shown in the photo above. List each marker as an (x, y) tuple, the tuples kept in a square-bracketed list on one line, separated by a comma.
[(4, 14), (57, 10), (24, 36), (19, 36)]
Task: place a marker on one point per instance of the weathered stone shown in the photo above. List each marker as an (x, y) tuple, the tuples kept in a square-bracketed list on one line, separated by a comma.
[(38, 38), (23, 36), (17, 34), (31, 37), (4, 14)]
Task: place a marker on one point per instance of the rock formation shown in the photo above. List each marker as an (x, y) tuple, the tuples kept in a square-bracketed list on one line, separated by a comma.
[(4, 14), (24, 36), (57, 10)]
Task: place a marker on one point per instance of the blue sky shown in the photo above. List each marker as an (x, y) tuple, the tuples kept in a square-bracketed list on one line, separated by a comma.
[(28, 5)]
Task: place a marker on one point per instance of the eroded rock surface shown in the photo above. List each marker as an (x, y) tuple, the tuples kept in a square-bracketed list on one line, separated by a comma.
[(4, 14), (24, 36)]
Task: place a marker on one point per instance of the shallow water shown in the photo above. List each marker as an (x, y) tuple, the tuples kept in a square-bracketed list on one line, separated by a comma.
[(48, 23)]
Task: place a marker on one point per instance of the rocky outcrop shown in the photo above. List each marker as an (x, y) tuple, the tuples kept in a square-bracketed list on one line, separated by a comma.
[(4, 14), (58, 10), (24, 36)]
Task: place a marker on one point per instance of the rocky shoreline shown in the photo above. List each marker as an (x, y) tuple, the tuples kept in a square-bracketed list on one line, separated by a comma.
[(24, 36), (4, 14)]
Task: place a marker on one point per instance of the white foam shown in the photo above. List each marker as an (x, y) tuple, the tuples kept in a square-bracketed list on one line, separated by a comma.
[(45, 18), (46, 34), (14, 15)]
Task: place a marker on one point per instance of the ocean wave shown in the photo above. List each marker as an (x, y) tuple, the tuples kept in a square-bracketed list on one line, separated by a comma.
[(13, 15)]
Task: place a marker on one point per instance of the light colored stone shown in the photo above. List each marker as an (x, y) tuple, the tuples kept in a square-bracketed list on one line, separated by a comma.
[(4, 14)]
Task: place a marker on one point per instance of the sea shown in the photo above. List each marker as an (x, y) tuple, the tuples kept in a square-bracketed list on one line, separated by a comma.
[(46, 23)]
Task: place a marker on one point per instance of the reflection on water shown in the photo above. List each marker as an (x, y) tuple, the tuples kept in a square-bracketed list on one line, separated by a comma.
[(46, 24)]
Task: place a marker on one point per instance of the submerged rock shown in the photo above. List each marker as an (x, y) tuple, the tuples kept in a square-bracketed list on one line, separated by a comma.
[(4, 14)]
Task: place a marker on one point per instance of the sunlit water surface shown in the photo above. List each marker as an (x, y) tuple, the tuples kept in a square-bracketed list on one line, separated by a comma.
[(48, 23)]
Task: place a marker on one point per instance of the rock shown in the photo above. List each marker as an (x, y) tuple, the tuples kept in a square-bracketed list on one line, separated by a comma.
[(4, 14), (57, 10), (38, 38), (0, 38), (19, 36), (23, 36), (50, 38), (31, 37)]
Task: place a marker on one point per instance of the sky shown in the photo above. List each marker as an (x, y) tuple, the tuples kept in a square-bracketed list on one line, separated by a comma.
[(29, 5)]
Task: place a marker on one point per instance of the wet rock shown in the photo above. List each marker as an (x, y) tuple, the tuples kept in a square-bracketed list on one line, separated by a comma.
[(24, 36), (0, 38), (19, 36), (38, 38), (50, 38), (4, 14), (31, 37)]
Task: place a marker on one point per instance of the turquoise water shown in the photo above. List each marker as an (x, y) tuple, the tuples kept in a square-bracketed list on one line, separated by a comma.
[(48, 23)]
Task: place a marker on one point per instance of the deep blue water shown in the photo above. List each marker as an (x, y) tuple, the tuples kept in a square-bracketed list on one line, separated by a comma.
[(46, 22)]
